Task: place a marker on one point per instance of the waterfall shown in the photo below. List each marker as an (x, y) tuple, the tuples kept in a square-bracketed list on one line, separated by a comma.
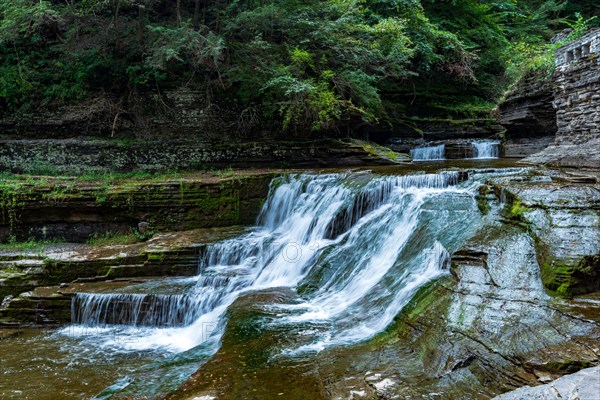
[(428, 153), (354, 246), (486, 149), (134, 309)]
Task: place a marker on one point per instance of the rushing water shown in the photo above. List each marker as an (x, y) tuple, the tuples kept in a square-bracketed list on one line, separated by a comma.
[(353, 248), (481, 149), (429, 153), (356, 247), (486, 149)]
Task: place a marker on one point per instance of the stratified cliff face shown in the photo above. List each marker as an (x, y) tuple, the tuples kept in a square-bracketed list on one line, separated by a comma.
[(151, 115), (527, 110), (529, 118), (577, 100), (574, 93)]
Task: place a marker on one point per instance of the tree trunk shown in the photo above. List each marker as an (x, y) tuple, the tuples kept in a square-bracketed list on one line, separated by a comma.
[(197, 14), (141, 24), (116, 5)]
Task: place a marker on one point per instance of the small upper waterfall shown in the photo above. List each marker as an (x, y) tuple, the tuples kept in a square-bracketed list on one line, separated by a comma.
[(354, 246), (429, 153), (486, 149)]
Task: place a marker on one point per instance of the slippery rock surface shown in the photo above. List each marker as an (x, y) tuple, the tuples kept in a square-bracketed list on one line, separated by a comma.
[(582, 385), (563, 213), (22, 273), (500, 303), (487, 328), (585, 156)]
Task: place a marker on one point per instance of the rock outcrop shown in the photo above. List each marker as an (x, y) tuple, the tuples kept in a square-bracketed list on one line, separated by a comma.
[(581, 156), (528, 116), (72, 210), (527, 110), (577, 103), (178, 113), (36, 285), (582, 385), (85, 156), (563, 216)]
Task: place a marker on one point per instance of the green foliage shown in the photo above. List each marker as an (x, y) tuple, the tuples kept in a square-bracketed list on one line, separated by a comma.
[(183, 45), (328, 67), (304, 66), (112, 238), (527, 60), (19, 18)]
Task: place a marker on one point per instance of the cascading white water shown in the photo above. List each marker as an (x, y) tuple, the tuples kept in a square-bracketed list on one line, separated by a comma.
[(134, 309), (486, 149), (429, 153), (355, 246)]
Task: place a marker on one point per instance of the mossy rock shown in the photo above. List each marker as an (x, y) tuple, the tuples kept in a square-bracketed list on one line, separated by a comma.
[(568, 280)]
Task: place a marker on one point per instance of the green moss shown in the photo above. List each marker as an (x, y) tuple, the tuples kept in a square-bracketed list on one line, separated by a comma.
[(156, 257), (517, 210), (30, 244), (566, 280), (383, 152), (427, 297), (514, 212), (481, 122), (112, 238), (482, 199)]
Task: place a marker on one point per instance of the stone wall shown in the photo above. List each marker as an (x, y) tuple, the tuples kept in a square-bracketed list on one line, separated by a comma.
[(76, 156), (557, 111), (577, 92), (572, 52)]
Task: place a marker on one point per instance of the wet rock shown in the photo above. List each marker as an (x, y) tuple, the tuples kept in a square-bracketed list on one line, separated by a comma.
[(582, 385), (584, 156), (521, 147), (167, 254), (563, 216), (500, 306), (491, 330), (8, 333)]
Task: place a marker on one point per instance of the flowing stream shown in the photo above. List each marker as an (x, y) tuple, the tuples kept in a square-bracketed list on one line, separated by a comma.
[(480, 149), (352, 247), (429, 153), (486, 149), (356, 247)]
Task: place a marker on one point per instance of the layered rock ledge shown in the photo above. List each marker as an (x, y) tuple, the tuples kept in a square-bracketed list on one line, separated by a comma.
[(36, 285)]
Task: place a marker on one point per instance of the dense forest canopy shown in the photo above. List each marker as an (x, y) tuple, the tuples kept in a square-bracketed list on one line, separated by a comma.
[(300, 65)]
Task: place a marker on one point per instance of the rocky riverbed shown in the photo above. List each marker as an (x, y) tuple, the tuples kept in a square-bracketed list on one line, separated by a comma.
[(521, 306)]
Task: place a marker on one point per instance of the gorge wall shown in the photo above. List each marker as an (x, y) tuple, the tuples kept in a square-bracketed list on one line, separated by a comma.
[(529, 117), (553, 117), (577, 90)]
